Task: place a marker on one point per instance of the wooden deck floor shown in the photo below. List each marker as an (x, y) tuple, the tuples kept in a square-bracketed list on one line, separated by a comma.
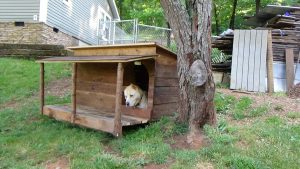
[(90, 118)]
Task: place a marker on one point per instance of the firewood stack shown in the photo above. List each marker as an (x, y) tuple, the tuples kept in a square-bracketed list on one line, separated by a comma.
[(223, 43), (285, 34)]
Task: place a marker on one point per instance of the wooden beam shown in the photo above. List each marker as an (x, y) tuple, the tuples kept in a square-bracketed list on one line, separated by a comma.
[(290, 75), (74, 86), (117, 120), (42, 86), (270, 76)]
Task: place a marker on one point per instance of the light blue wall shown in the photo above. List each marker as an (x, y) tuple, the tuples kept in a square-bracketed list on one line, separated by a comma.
[(79, 18), (19, 10)]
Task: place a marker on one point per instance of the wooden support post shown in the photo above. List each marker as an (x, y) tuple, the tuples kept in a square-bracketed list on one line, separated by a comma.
[(270, 75), (290, 75), (117, 121), (42, 87), (74, 78)]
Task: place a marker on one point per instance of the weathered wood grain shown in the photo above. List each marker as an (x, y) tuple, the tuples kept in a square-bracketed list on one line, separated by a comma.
[(270, 75), (234, 67), (74, 86), (290, 72), (117, 119), (42, 87), (166, 82)]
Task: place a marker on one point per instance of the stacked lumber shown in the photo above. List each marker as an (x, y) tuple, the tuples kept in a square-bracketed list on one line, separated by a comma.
[(285, 34), (223, 43)]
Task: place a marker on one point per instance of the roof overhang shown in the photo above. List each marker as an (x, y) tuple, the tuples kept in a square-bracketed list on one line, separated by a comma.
[(114, 9), (96, 59)]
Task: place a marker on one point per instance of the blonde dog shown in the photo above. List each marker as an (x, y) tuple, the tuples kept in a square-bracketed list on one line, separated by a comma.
[(135, 96)]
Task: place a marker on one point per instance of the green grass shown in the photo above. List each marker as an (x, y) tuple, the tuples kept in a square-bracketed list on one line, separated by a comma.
[(30, 140), (20, 78), (293, 115), (238, 108)]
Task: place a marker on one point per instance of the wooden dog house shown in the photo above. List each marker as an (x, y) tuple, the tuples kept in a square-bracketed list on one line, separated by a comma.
[(100, 73)]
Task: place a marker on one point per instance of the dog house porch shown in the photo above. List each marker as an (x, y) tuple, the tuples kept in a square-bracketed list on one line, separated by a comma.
[(109, 115), (100, 74)]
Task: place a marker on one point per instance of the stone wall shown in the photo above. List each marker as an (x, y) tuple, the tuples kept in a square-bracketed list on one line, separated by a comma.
[(34, 33), (59, 38), (32, 50)]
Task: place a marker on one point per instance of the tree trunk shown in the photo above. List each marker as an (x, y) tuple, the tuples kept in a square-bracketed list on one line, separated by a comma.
[(257, 6), (216, 18), (191, 25), (232, 19)]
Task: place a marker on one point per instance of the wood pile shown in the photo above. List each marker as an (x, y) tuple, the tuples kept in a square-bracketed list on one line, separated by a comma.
[(285, 34), (223, 43)]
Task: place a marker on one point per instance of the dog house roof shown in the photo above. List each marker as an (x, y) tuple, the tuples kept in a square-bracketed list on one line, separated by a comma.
[(116, 46), (97, 59)]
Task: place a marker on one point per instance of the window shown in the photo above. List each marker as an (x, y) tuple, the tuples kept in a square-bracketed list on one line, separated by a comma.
[(104, 25)]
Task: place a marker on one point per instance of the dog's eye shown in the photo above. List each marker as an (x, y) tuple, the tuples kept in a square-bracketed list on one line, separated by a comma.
[(131, 95)]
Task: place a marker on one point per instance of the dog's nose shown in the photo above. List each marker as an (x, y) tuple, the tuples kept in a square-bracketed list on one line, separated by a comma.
[(127, 103)]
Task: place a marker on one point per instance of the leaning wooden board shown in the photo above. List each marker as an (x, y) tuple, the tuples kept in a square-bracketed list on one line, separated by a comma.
[(248, 71)]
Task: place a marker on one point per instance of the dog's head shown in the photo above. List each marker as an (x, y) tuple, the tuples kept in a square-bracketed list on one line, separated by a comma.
[(133, 95)]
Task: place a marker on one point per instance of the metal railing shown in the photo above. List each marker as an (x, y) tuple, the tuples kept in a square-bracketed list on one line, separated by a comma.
[(129, 31)]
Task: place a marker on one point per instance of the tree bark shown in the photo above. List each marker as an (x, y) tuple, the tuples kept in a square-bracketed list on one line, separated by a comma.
[(232, 19), (191, 25)]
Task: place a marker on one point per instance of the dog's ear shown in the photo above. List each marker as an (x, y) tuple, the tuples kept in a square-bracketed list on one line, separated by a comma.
[(134, 86)]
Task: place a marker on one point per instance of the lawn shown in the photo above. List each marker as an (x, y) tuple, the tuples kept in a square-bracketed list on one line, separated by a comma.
[(253, 131)]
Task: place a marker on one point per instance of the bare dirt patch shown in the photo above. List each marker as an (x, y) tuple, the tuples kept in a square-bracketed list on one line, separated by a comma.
[(295, 91), (278, 105), (61, 163), (9, 104), (182, 142), (204, 166), (59, 88), (157, 166)]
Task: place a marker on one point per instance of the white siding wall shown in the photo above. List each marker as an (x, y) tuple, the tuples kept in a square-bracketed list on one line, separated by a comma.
[(79, 18), (18, 10)]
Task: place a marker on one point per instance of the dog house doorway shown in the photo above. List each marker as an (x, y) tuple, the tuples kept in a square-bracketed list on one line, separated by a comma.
[(137, 73)]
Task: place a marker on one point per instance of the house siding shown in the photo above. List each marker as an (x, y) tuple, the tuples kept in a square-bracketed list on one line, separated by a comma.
[(19, 10), (78, 18)]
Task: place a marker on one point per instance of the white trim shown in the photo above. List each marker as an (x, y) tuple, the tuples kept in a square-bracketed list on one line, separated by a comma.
[(43, 11), (113, 6)]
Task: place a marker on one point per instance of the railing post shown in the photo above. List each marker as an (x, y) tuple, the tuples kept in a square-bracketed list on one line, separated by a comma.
[(114, 32), (117, 120), (42, 87)]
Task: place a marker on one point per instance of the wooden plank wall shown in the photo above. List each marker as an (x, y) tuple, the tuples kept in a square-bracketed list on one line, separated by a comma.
[(166, 87), (96, 86), (248, 70)]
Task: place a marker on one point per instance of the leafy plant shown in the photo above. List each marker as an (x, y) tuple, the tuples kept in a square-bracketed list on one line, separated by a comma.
[(240, 108), (223, 102)]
